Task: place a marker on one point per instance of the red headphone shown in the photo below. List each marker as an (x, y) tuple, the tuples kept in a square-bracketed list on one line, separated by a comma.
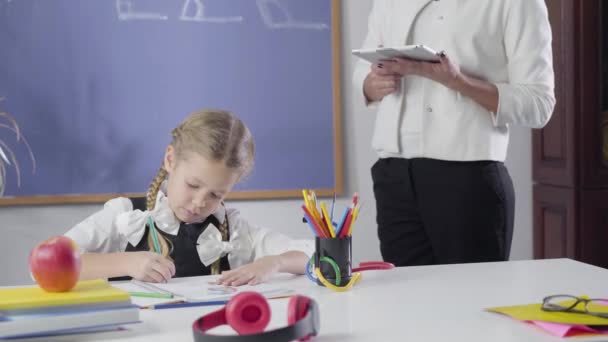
[(248, 313)]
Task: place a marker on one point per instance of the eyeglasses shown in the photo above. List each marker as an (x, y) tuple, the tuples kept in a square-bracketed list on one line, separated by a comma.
[(567, 303)]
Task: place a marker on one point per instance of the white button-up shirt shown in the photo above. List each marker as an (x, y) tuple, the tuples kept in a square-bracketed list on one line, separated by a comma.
[(505, 42), (117, 224)]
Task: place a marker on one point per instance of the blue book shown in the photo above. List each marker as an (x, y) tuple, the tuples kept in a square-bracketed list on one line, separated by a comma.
[(34, 324)]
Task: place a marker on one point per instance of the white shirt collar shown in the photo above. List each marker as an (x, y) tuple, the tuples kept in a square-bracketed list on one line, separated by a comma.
[(132, 224)]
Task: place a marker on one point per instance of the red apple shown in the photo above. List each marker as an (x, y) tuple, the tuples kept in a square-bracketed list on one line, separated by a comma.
[(55, 264)]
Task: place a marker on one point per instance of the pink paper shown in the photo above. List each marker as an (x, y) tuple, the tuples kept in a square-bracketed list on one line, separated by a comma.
[(567, 330)]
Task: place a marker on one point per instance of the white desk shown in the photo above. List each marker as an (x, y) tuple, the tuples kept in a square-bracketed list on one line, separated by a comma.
[(432, 303)]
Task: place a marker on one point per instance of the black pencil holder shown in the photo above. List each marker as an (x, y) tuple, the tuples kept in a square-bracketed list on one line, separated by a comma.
[(339, 250)]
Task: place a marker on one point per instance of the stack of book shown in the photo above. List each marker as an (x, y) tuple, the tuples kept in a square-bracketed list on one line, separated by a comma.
[(90, 306)]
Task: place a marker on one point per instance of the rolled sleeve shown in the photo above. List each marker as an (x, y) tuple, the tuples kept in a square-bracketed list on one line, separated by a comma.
[(267, 242), (98, 232), (528, 97)]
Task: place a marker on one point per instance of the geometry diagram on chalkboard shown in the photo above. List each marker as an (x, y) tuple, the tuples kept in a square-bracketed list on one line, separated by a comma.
[(194, 10), (284, 19)]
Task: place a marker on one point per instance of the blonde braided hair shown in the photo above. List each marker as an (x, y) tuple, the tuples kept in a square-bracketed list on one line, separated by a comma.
[(216, 135), (165, 245), (223, 228)]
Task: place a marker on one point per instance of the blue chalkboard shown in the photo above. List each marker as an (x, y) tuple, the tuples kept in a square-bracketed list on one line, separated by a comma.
[(97, 85)]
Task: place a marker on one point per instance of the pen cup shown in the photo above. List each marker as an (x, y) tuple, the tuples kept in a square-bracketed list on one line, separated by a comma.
[(338, 250)]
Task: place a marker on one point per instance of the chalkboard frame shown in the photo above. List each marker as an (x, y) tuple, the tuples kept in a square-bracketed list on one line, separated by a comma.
[(238, 195)]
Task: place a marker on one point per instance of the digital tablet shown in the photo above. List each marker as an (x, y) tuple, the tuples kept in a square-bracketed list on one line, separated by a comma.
[(415, 52)]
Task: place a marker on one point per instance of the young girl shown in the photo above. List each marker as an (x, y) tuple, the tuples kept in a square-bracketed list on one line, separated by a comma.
[(184, 229)]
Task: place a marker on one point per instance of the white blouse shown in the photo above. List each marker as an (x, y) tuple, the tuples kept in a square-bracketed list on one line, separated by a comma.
[(505, 42), (117, 224)]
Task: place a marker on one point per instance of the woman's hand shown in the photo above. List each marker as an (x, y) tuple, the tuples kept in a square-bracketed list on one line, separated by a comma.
[(149, 266), (380, 82), (448, 73), (257, 272), (444, 72)]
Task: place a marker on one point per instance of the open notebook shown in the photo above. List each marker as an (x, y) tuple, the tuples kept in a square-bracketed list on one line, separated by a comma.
[(194, 290)]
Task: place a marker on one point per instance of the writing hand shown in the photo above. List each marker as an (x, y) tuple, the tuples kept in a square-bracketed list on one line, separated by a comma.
[(149, 266)]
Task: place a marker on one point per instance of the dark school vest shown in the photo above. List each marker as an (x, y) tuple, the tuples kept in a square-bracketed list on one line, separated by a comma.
[(184, 253)]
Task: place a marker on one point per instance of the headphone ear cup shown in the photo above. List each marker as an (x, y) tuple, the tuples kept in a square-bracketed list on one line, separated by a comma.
[(248, 313), (297, 308)]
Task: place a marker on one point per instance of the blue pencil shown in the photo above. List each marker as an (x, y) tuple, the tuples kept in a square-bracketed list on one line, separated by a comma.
[(339, 227), (186, 304)]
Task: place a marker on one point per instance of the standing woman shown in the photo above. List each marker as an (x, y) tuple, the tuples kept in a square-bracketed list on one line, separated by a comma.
[(443, 194)]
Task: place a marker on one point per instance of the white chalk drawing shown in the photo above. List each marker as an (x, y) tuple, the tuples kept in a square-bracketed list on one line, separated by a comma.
[(125, 11), (194, 10), (286, 21)]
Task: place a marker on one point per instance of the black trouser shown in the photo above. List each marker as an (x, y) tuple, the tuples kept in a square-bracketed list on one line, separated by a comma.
[(440, 212)]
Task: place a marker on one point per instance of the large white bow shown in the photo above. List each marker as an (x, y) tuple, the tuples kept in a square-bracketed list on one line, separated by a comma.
[(132, 224), (211, 247)]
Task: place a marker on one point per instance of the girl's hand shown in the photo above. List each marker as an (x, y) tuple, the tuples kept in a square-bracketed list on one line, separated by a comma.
[(444, 72), (149, 266), (380, 82), (257, 272)]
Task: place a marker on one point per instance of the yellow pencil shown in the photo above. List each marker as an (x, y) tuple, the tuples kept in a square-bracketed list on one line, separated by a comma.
[(352, 221), (311, 207), (330, 226), (356, 212), (306, 201), (313, 204)]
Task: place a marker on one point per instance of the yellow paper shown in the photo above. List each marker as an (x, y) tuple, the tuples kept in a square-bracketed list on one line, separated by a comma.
[(85, 292), (533, 312)]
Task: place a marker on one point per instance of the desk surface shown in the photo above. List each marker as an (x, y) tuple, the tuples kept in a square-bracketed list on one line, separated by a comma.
[(431, 303)]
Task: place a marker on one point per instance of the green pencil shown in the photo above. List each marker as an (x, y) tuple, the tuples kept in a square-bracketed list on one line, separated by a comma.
[(154, 237), (150, 295)]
